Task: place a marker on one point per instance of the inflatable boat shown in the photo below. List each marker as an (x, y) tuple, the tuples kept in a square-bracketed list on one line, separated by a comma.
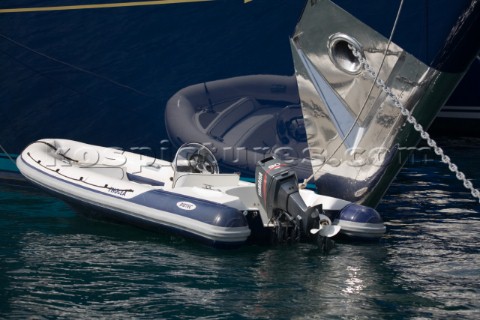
[(245, 119), (190, 197)]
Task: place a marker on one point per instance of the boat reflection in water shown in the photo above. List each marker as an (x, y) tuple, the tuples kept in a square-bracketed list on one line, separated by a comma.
[(244, 120), (351, 123)]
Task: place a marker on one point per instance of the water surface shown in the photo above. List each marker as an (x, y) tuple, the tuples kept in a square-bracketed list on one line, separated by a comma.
[(55, 263)]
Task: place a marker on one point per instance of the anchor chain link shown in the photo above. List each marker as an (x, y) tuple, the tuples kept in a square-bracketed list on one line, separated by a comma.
[(417, 126)]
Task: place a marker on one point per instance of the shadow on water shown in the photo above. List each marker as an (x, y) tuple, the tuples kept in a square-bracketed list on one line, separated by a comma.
[(55, 263)]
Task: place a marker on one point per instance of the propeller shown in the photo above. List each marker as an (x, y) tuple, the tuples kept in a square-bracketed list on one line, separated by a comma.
[(326, 230)]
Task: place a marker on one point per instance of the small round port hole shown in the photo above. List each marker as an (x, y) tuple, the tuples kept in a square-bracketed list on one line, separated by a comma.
[(342, 55)]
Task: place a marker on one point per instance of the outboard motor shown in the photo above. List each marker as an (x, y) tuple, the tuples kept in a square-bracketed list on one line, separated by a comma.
[(277, 190)]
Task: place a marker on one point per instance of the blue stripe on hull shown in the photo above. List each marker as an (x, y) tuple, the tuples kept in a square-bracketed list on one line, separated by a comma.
[(98, 212), (206, 211), (214, 214)]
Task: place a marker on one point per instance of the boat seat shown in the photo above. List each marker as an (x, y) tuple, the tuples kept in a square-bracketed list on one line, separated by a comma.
[(144, 180), (94, 172), (230, 116), (152, 175), (207, 180)]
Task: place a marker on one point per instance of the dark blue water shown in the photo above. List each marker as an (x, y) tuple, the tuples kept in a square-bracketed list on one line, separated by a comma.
[(55, 263)]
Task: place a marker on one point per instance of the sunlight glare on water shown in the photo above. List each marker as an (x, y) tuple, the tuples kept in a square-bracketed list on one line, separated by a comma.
[(55, 263)]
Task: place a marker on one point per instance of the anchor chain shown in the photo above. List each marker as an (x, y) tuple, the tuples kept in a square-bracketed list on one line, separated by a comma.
[(417, 126)]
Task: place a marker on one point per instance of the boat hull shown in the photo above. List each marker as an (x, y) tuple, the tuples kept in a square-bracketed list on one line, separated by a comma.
[(105, 76), (362, 92), (210, 223)]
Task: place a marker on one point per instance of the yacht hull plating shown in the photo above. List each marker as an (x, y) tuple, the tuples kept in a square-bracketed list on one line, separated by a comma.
[(107, 73), (352, 80)]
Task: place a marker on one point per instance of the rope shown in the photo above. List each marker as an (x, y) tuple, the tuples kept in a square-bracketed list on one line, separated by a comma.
[(56, 150), (72, 66), (57, 171), (7, 154), (385, 52), (303, 185)]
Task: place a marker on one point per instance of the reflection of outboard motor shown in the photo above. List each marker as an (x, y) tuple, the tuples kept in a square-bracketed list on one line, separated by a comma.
[(277, 190)]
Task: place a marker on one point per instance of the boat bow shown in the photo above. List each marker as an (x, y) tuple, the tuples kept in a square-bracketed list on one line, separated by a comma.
[(357, 135)]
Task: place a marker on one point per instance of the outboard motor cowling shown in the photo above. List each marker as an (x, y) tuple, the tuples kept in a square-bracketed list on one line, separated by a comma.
[(277, 190)]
